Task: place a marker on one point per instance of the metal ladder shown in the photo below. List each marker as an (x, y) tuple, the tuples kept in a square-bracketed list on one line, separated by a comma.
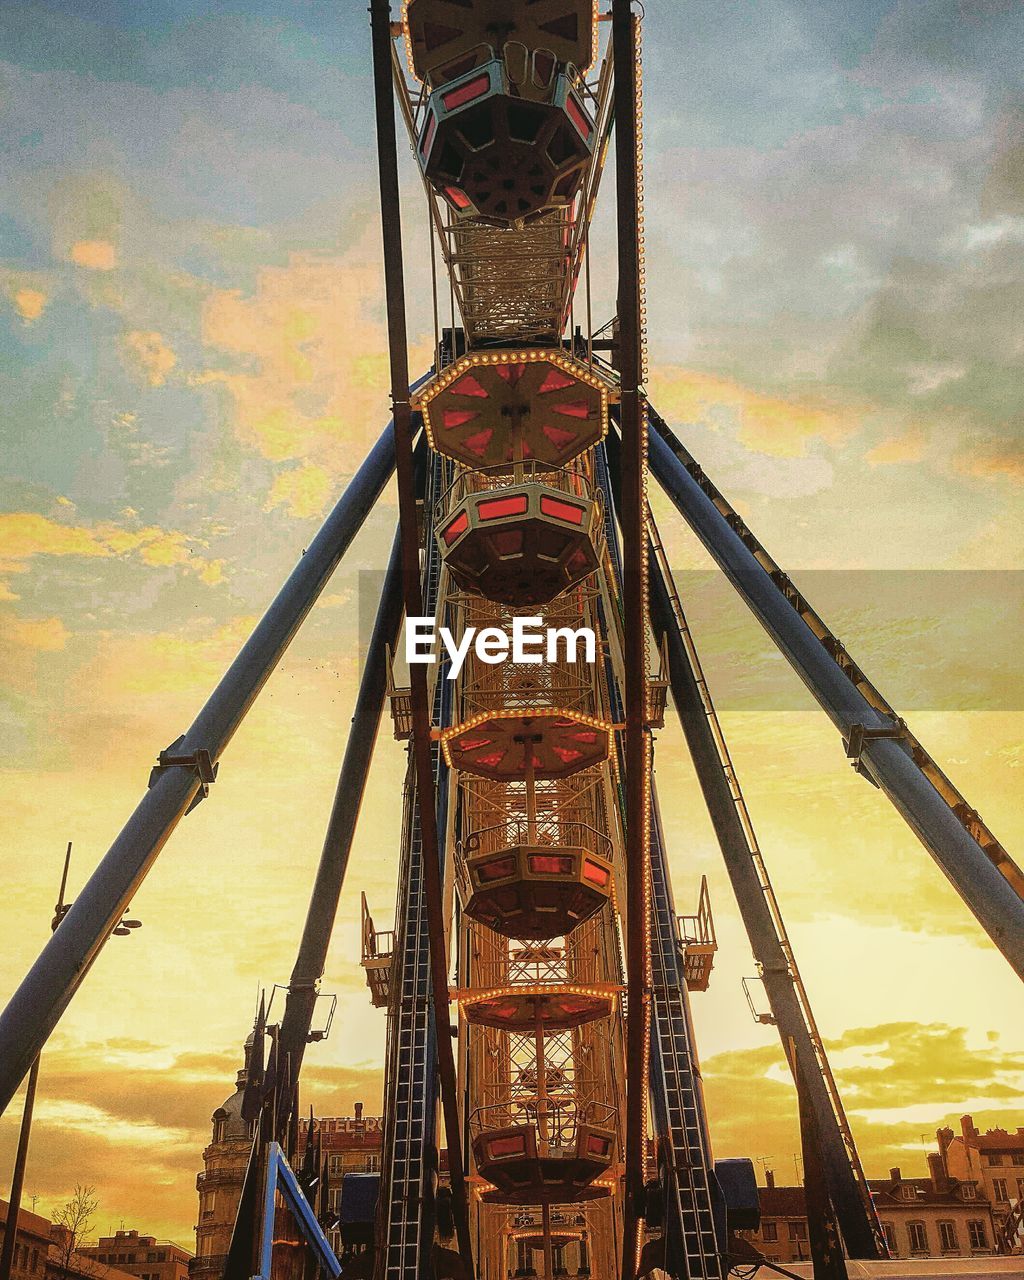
[(676, 1097), (757, 858), (406, 1232)]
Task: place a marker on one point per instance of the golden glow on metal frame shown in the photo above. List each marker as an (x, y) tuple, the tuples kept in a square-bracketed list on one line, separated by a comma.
[(472, 995), (532, 1233), (527, 355), (523, 713)]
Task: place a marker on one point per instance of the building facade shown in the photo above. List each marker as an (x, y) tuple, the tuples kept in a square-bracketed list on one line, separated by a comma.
[(994, 1160), (32, 1247), (43, 1251), (933, 1217), (348, 1144), (142, 1256), (220, 1183)]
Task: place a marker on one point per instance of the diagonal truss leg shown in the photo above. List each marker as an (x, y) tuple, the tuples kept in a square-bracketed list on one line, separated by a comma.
[(789, 1004), (972, 860), (44, 993), (341, 826)]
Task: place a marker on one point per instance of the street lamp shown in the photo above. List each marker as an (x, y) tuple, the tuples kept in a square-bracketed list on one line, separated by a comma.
[(121, 930)]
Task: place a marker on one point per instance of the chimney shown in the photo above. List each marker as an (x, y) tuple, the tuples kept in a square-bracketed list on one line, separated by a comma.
[(937, 1171), (359, 1111), (769, 1179), (895, 1174), (967, 1129)]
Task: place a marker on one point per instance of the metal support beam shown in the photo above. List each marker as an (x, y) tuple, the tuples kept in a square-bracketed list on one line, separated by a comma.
[(36, 1006), (888, 762), (341, 825), (844, 1188), (394, 290), (634, 546)]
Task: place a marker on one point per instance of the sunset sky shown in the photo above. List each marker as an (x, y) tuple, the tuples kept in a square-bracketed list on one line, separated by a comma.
[(192, 363)]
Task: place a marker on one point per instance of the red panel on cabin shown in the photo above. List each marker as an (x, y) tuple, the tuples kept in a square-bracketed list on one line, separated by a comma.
[(594, 873), (458, 198), (458, 526), (576, 116), (458, 417), (555, 381), (477, 444), (572, 409), (500, 508), (498, 869), (550, 864), (474, 88), (567, 511), (498, 1148), (559, 437)]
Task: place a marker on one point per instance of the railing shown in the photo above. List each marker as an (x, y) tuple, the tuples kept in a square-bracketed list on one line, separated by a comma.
[(559, 1119), (571, 480), (212, 1263), (549, 830)]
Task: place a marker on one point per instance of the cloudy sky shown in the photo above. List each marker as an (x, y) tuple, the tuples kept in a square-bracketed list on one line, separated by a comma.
[(192, 363)]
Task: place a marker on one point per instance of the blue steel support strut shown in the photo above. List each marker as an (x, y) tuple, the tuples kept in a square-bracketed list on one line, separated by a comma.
[(45, 992), (887, 760)]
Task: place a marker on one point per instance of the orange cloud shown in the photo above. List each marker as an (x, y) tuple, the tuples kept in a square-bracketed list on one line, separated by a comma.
[(26, 534), (783, 428), (46, 635), (150, 355), (908, 447), (303, 491), (29, 303), (96, 255), (993, 460), (307, 374)]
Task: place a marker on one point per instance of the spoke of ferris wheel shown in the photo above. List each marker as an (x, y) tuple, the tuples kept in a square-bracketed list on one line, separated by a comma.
[(984, 875), (47, 989)]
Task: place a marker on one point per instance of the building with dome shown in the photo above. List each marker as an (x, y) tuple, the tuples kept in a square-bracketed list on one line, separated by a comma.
[(220, 1183)]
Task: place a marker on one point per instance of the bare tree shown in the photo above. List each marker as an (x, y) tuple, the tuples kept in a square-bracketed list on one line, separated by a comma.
[(73, 1223)]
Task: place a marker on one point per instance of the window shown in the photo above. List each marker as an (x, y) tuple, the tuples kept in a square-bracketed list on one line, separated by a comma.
[(889, 1231), (968, 1191), (977, 1234), (1020, 1188), (918, 1237), (999, 1188), (1017, 1157), (770, 1231), (995, 1161), (798, 1231), (151, 1257), (908, 1193), (947, 1237)]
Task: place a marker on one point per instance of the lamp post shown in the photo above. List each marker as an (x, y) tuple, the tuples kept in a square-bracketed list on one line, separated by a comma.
[(122, 929)]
